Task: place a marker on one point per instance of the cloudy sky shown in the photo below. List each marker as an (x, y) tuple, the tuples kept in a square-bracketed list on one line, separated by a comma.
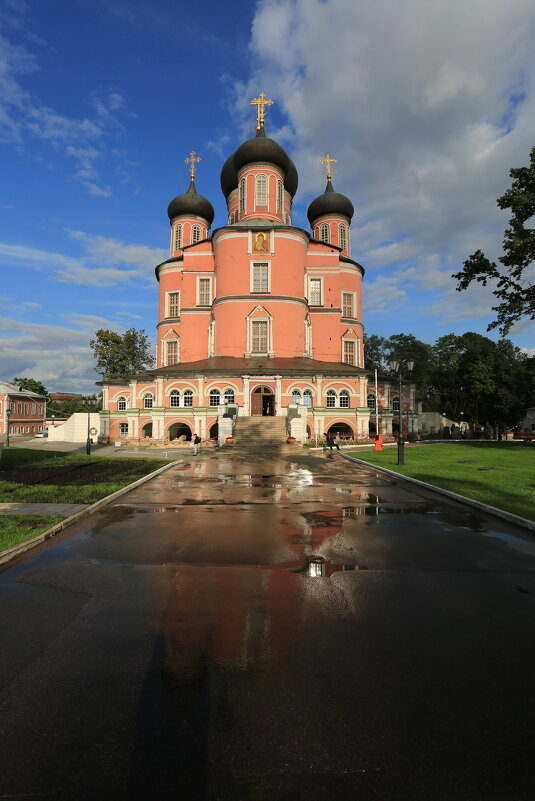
[(425, 105)]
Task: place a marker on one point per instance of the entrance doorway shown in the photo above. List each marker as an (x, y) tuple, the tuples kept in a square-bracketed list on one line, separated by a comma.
[(262, 402)]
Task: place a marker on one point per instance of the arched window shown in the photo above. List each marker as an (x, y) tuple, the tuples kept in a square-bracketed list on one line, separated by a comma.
[(123, 429), (371, 401), (324, 232), (296, 396), (344, 399), (261, 190), (279, 197), (307, 397), (174, 398), (121, 404), (177, 238), (242, 195), (395, 404), (331, 398), (229, 396), (195, 234), (342, 233), (287, 219), (215, 397), (148, 401), (188, 397)]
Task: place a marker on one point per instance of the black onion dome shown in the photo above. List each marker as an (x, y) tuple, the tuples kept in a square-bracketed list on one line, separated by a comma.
[(191, 204), (330, 202), (291, 179), (229, 179), (261, 148)]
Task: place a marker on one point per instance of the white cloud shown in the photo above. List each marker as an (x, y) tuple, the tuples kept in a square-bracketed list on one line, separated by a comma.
[(108, 262), (426, 106)]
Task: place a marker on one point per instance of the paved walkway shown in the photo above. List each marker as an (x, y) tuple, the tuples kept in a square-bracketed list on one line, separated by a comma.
[(252, 627)]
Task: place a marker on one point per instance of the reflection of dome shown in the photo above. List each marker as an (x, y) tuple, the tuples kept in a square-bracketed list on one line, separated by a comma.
[(330, 202), (191, 204), (258, 149)]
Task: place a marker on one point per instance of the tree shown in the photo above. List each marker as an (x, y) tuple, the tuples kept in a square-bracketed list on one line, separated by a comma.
[(31, 384), (374, 352), (513, 287), (119, 355)]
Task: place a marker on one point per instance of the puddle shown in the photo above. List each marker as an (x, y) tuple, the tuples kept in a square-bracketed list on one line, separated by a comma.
[(319, 567)]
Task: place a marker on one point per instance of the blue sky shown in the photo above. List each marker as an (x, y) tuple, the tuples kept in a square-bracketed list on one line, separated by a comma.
[(425, 106)]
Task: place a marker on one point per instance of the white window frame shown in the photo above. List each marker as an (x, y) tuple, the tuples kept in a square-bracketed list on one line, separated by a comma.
[(344, 393), (146, 397), (242, 196), (122, 400), (342, 236), (168, 303), (355, 343), (331, 393), (204, 278), (259, 262), (123, 429), (177, 237), (196, 234), (251, 336), (307, 393), (187, 397), (227, 393), (296, 396), (175, 393), (261, 190), (395, 403), (215, 392), (175, 343), (324, 234), (310, 280), (372, 405), (353, 299)]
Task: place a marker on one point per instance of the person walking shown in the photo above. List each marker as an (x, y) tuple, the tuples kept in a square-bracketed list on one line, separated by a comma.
[(331, 443), (196, 443)]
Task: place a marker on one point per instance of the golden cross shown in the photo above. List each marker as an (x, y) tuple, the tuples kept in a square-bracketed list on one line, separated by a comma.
[(192, 159), (328, 161), (260, 102)]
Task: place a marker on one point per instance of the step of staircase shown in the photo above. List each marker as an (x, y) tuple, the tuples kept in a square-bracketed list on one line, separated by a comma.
[(260, 432)]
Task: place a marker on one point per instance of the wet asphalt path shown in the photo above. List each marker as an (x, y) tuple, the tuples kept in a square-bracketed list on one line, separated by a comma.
[(248, 628)]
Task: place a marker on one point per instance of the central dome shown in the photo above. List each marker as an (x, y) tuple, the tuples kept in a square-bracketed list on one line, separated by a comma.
[(258, 149)]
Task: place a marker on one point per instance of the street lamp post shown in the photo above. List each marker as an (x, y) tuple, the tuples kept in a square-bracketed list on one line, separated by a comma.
[(8, 415), (88, 443), (396, 367)]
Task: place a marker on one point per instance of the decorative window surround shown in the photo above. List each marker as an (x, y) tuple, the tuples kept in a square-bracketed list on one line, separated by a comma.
[(260, 281)]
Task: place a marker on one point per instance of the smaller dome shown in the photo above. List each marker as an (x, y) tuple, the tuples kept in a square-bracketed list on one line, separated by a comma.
[(191, 204), (330, 202), (229, 179)]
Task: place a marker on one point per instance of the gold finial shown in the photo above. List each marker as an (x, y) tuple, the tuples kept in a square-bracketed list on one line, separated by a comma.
[(260, 102), (191, 161), (328, 161)]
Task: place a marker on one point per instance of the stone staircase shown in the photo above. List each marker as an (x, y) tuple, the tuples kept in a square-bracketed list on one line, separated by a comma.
[(251, 433)]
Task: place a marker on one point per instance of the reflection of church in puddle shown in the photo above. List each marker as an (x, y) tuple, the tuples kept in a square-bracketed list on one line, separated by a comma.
[(259, 317)]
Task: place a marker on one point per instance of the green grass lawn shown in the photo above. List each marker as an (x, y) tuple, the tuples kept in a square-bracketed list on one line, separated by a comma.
[(500, 474), (15, 529), (28, 476)]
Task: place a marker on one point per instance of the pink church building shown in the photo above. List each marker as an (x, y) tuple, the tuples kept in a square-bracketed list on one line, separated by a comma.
[(258, 318)]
